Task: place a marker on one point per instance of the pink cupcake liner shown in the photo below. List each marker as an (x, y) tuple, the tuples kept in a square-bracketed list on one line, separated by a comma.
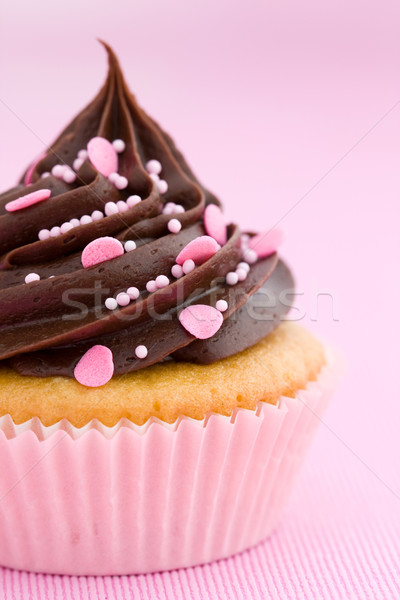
[(128, 499)]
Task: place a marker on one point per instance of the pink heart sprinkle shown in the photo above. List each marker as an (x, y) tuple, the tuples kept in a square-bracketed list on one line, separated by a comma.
[(100, 250), (96, 367), (28, 200), (266, 243), (29, 173), (103, 156), (201, 320), (199, 250), (214, 224)]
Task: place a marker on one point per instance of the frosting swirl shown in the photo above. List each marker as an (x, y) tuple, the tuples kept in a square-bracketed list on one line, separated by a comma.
[(53, 309)]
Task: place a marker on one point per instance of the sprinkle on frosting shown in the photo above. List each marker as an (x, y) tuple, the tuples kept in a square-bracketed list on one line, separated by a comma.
[(96, 367), (174, 226), (28, 200), (214, 224), (102, 155), (221, 305), (199, 250), (201, 320), (100, 250), (141, 351), (32, 277)]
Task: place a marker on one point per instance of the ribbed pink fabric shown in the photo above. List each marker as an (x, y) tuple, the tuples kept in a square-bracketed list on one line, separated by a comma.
[(339, 538)]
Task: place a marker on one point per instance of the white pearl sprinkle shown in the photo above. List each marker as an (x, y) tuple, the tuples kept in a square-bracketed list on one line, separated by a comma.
[(250, 256), (221, 305), (44, 234), (241, 273), (111, 303), (154, 166), (133, 293), (55, 231), (65, 227), (121, 183), (177, 271), (123, 299), (75, 222), (162, 186), (69, 176), (133, 200), (122, 206), (179, 209), (154, 177), (85, 220), (82, 154), (113, 177), (188, 266), (141, 351), (110, 209), (232, 278), (32, 277), (162, 281), (130, 245), (168, 210), (174, 226), (151, 286), (45, 174), (244, 265), (58, 170), (78, 162), (119, 145), (97, 215)]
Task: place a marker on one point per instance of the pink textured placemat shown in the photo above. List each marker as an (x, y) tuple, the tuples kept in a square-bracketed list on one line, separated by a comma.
[(340, 538)]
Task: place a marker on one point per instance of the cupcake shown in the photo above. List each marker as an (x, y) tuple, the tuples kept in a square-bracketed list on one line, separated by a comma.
[(155, 406)]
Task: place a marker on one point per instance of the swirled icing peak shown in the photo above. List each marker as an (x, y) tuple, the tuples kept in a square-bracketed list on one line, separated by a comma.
[(114, 257)]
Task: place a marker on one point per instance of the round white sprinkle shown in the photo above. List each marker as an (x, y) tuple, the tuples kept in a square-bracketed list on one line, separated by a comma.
[(162, 281), (141, 351), (111, 303), (162, 186), (133, 293), (121, 183), (58, 170), (244, 265), (45, 174), (75, 222), (123, 299), (55, 231), (241, 273), (119, 145), (82, 154), (154, 166), (130, 245), (221, 305), (168, 210), (232, 278), (85, 220), (110, 209), (97, 215), (177, 271), (151, 286), (122, 206), (179, 209), (44, 234), (154, 177), (69, 176), (174, 226), (65, 227), (78, 162), (188, 266), (32, 277), (113, 177), (250, 256), (133, 200)]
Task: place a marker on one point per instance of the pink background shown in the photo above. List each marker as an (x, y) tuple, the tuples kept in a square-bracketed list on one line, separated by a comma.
[(290, 112)]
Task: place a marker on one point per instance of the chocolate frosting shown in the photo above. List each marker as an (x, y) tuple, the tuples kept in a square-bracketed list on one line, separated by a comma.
[(46, 326)]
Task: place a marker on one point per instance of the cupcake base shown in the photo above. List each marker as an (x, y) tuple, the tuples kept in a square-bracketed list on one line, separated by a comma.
[(136, 499)]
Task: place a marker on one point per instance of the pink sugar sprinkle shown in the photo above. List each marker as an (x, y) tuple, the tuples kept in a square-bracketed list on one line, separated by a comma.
[(100, 250), (201, 320), (96, 367), (28, 200)]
